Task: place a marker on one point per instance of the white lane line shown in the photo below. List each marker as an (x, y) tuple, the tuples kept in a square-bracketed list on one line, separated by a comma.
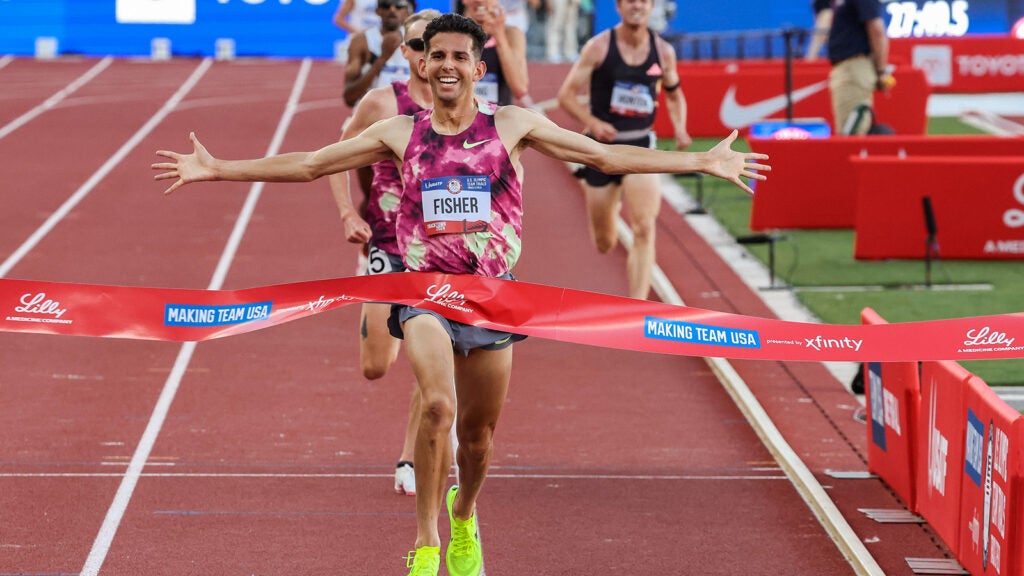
[(56, 98), (6, 60), (828, 515), (98, 553), (508, 476), (105, 169)]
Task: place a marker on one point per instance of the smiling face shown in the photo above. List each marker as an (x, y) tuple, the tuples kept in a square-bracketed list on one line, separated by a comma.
[(451, 66)]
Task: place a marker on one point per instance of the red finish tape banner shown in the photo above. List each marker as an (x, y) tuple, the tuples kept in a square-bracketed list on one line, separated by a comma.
[(519, 307)]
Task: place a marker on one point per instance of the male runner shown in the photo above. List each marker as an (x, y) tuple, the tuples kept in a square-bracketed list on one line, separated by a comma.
[(378, 350), (474, 148), (624, 68)]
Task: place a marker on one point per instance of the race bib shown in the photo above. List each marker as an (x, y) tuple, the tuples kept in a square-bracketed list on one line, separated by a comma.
[(632, 99), (378, 262), (487, 88), (456, 204)]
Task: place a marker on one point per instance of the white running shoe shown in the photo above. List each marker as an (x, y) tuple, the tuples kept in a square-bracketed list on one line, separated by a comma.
[(405, 479)]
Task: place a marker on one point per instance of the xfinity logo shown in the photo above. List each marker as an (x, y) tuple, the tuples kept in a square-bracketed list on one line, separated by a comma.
[(820, 343)]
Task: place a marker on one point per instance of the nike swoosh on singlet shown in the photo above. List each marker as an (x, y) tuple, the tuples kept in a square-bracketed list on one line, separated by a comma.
[(467, 144), (736, 115)]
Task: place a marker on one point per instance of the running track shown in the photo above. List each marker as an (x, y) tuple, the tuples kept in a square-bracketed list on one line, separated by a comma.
[(267, 453)]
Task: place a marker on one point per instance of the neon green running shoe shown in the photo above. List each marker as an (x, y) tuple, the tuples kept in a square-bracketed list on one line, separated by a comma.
[(464, 556), (425, 561)]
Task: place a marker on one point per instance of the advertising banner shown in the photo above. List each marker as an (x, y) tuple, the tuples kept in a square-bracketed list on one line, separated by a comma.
[(893, 395), (561, 314), (990, 519), (811, 184), (940, 444), (979, 214), (969, 64), (725, 95)]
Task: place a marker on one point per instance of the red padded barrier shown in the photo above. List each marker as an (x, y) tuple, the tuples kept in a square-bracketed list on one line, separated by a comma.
[(940, 446), (812, 185), (893, 394), (978, 204), (990, 521)]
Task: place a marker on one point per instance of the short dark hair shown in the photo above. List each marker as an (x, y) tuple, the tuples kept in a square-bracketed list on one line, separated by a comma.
[(457, 24)]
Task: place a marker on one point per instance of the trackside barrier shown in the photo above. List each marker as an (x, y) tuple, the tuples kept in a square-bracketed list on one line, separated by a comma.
[(990, 497), (893, 391), (975, 63), (737, 93), (811, 184), (940, 447), (979, 212), (962, 468)]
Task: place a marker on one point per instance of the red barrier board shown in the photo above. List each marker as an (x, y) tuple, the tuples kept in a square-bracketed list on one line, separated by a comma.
[(940, 445), (724, 95), (969, 64), (979, 213), (893, 392), (991, 483), (811, 184)]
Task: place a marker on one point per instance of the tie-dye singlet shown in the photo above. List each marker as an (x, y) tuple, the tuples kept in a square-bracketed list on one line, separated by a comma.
[(462, 209), (386, 192)]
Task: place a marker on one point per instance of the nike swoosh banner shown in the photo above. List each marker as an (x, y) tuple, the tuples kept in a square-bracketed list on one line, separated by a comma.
[(520, 307)]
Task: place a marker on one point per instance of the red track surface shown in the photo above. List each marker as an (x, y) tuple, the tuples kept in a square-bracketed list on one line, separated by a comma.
[(276, 456)]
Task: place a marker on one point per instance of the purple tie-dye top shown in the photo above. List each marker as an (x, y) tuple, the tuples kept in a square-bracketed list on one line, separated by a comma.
[(382, 204), (477, 151)]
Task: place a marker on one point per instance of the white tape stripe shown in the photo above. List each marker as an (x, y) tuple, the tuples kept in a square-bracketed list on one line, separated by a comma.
[(6, 60), (101, 546), (56, 98)]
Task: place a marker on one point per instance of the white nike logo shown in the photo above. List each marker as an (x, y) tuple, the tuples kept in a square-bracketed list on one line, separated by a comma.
[(467, 144), (735, 115)]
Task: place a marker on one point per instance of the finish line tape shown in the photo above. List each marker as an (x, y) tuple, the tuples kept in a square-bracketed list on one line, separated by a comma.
[(520, 307)]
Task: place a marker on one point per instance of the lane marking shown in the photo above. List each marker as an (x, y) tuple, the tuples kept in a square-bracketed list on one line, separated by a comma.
[(6, 60), (824, 509), (105, 169), (112, 521), (56, 98), (361, 476)]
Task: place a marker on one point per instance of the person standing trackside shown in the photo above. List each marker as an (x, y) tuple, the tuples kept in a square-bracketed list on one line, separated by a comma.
[(822, 10), (859, 51), (624, 68), (474, 147), (373, 56), (378, 350)]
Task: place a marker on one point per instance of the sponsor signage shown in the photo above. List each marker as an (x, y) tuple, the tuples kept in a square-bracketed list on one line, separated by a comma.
[(889, 221), (940, 447), (518, 307), (893, 391), (976, 64), (738, 94), (804, 191), (989, 526)]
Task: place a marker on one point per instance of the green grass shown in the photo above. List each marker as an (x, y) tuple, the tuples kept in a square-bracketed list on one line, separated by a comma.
[(808, 258)]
